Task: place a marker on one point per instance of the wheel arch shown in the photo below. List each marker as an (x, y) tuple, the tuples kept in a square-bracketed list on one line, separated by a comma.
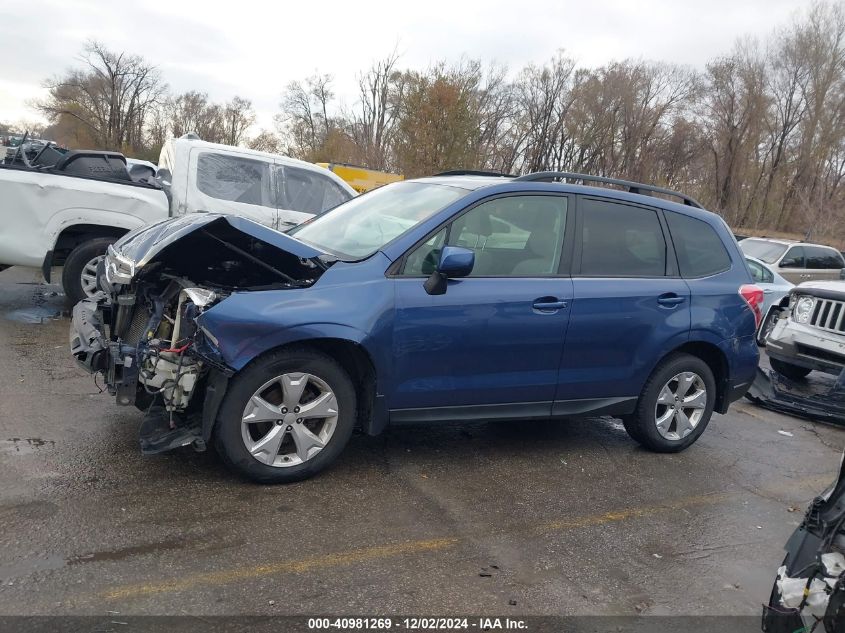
[(72, 236), (716, 361), (355, 361)]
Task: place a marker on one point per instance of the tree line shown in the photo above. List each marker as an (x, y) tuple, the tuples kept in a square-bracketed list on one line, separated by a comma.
[(757, 135)]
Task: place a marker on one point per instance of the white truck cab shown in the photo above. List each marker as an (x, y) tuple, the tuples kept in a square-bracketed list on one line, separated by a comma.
[(277, 191), (67, 211)]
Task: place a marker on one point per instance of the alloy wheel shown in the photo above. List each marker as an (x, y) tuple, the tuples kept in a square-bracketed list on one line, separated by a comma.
[(289, 419), (680, 405), (88, 278)]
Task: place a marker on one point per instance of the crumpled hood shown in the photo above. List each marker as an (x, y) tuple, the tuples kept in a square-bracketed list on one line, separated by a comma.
[(142, 244)]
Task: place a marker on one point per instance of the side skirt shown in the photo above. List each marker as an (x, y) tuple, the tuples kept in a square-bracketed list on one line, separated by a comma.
[(517, 410)]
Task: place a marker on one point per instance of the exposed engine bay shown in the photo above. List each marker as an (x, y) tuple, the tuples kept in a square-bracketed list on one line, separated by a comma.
[(809, 591), (142, 333)]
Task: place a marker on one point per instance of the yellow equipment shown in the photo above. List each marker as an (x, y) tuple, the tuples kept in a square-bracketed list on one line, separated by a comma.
[(361, 179)]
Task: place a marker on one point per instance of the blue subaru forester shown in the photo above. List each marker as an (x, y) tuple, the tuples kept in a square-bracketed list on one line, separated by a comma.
[(455, 297)]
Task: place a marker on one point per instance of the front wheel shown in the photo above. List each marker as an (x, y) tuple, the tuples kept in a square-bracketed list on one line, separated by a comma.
[(79, 277), (286, 417), (675, 405)]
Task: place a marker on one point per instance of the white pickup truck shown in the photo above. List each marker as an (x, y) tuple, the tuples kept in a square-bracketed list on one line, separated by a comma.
[(66, 209)]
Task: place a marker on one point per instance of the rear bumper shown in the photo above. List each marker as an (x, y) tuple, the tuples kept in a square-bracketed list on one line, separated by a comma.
[(743, 358)]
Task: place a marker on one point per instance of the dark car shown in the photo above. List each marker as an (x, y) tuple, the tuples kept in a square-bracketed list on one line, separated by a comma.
[(445, 298)]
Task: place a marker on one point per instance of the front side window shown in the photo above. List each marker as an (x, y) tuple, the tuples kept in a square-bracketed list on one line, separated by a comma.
[(234, 179), (514, 236), (619, 240), (794, 258), (307, 191), (698, 247), (362, 226)]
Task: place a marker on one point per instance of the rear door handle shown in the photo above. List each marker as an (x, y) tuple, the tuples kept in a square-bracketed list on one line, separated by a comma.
[(670, 299), (548, 303)]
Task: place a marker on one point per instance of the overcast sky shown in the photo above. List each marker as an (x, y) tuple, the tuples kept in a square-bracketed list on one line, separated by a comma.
[(253, 49)]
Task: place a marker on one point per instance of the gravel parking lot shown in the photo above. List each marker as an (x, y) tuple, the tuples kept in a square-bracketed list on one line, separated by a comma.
[(530, 518)]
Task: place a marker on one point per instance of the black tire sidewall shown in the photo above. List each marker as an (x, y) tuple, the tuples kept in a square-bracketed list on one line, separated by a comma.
[(227, 430), (788, 370), (645, 430), (75, 262)]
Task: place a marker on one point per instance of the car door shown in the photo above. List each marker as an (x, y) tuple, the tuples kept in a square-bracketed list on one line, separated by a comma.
[(495, 338), (629, 305), (303, 193), (823, 262), (792, 265), (238, 184)]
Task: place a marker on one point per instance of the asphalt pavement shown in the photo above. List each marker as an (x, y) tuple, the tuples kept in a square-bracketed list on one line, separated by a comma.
[(555, 518)]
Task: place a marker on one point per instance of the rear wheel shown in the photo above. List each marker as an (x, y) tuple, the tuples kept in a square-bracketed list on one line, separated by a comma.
[(79, 277), (286, 417), (793, 372), (675, 405)]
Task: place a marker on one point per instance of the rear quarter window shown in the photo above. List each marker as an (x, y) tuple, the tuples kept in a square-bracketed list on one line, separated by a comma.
[(699, 248)]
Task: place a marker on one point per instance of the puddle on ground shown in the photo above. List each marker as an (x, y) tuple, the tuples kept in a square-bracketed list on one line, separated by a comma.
[(31, 565), (24, 445), (40, 310), (37, 314)]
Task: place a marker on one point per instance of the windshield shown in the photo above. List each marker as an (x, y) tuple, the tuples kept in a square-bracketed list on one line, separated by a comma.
[(768, 252), (360, 227)]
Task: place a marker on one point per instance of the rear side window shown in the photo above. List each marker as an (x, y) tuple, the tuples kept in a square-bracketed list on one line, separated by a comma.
[(619, 240), (234, 179), (307, 191), (821, 258), (699, 248)]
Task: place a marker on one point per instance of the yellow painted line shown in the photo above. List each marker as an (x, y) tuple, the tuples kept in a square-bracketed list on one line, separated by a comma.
[(351, 557), (290, 567), (632, 513)]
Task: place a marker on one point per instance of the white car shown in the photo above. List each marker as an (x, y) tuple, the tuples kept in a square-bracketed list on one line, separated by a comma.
[(796, 261), (277, 191), (68, 212), (809, 331), (775, 288)]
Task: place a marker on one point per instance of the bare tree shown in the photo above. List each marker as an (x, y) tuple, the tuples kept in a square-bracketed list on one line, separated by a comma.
[(110, 97)]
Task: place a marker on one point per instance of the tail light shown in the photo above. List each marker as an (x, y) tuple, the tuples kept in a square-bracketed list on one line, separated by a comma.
[(753, 296)]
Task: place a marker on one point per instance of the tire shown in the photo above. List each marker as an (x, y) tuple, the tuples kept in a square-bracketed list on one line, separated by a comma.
[(75, 264), (793, 372), (271, 379), (685, 423)]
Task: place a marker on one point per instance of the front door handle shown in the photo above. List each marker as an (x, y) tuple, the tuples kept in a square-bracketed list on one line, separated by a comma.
[(548, 304), (670, 299)]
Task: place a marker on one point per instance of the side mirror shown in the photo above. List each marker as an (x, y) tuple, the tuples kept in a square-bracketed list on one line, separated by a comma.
[(164, 177), (454, 262)]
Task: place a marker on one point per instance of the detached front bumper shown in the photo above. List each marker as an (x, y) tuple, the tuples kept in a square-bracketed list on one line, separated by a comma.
[(806, 346), (96, 353)]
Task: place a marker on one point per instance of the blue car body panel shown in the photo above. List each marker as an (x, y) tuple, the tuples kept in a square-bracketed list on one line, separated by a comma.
[(483, 348)]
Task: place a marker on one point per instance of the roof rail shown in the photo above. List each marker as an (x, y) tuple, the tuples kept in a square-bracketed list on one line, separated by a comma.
[(473, 172), (633, 187)]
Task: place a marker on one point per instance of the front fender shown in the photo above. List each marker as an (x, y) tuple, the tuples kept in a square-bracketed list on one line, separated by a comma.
[(248, 324)]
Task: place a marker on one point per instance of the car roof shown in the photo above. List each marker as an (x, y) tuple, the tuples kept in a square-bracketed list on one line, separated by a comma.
[(477, 182), (773, 240)]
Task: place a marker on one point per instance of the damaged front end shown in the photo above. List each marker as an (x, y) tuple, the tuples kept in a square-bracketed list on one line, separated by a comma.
[(810, 586), (141, 331)]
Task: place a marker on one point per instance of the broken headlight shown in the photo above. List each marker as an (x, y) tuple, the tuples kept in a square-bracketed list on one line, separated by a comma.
[(803, 309), (118, 269)]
